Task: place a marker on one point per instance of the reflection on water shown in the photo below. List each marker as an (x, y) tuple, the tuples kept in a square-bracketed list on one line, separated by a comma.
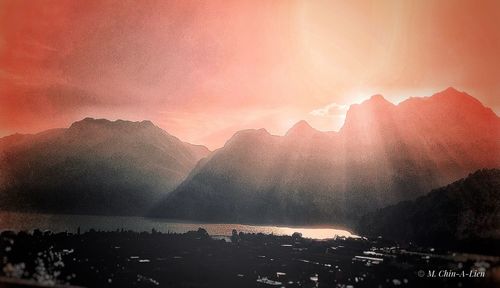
[(70, 223)]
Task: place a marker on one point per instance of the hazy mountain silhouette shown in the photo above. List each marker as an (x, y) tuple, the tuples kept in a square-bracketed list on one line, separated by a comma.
[(95, 166), (465, 211), (383, 154)]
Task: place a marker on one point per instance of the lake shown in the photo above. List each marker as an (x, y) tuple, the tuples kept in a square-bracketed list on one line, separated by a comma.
[(70, 223)]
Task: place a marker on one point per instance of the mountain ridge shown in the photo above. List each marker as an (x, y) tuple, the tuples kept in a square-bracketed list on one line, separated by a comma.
[(95, 166), (383, 154), (466, 210)]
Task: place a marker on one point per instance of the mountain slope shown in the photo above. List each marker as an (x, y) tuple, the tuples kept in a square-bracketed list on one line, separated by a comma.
[(95, 166), (383, 154), (468, 209)]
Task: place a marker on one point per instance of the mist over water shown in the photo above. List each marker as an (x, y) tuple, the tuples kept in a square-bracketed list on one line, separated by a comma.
[(70, 223)]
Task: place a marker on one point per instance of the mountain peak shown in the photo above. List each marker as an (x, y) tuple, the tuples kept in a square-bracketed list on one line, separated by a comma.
[(301, 128), (89, 122), (461, 101), (377, 100), (377, 108), (377, 97), (251, 133), (375, 103), (450, 92), (248, 136)]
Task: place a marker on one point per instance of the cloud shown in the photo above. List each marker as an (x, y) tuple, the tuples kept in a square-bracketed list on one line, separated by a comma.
[(330, 110)]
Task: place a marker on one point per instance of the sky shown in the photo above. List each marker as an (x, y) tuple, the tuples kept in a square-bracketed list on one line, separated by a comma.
[(203, 70)]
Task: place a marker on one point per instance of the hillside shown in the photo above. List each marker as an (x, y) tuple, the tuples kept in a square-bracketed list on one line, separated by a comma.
[(95, 166), (466, 210)]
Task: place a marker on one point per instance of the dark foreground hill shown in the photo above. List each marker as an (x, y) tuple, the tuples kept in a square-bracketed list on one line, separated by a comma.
[(464, 212), (383, 154), (96, 166)]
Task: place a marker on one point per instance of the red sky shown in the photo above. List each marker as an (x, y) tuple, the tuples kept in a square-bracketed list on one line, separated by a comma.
[(205, 69)]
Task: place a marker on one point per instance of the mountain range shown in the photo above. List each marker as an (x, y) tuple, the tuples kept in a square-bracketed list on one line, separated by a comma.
[(95, 166), (383, 154)]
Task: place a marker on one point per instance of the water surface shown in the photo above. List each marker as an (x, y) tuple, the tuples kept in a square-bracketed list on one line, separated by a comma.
[(71, 223)]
